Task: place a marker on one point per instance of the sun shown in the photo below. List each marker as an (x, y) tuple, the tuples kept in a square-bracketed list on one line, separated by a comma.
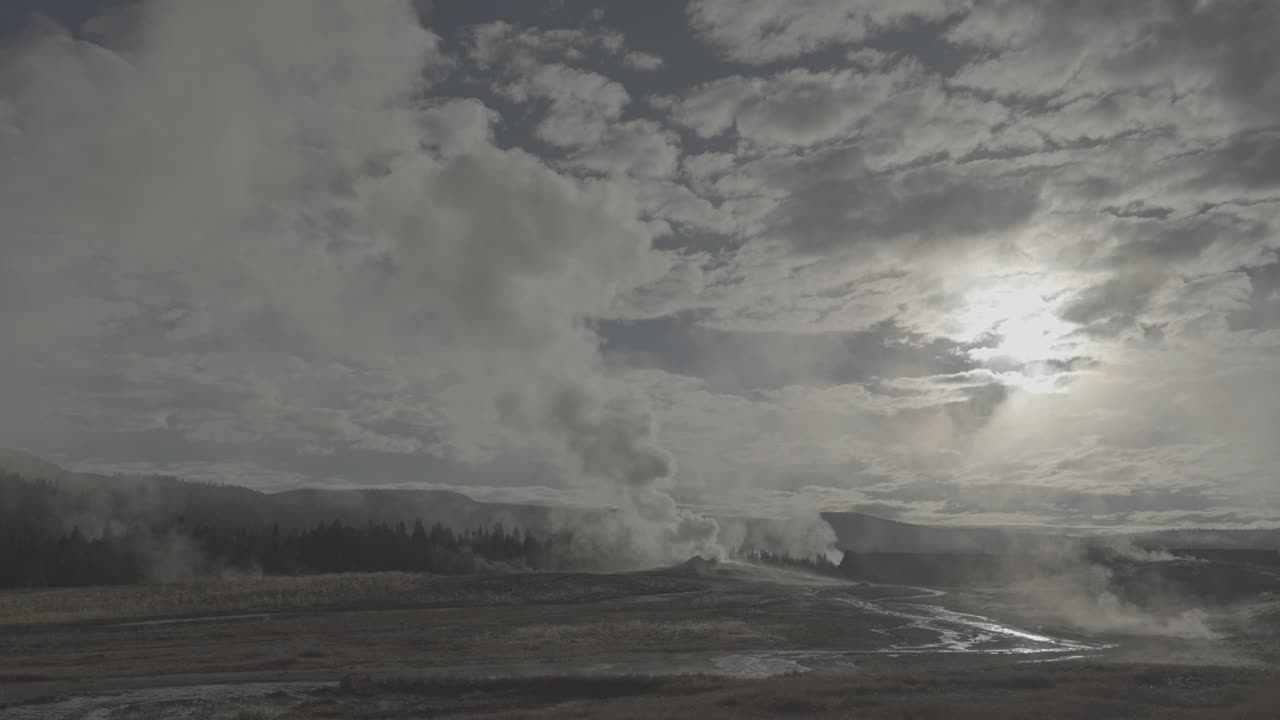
[(1020, 321)]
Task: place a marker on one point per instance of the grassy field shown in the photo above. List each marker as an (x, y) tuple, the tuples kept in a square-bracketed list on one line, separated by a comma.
[(309, 593), (1055, 692), (206, 597), (1048, 693), (633, 645)]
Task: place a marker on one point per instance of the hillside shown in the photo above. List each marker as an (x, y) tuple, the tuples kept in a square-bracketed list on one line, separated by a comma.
[(28, 465), (868, 534), (1210, 539), (92, 501)]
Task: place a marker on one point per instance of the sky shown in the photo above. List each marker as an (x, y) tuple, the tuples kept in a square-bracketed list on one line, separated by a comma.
[(952, 261)]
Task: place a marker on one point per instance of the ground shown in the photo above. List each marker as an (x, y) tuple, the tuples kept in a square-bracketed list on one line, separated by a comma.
[(737, 641)]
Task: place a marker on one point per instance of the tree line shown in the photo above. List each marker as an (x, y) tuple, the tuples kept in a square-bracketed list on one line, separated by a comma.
[(35, 550), (818, 564), (174, 552)]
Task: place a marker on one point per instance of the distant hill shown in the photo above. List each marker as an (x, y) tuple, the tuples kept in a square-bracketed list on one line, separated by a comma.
[(90, 501), (869, 534), (28, 465), (1209, 539)]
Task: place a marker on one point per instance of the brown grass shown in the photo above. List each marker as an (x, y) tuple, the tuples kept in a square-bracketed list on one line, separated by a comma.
[(203, 597), (666, 634), (1067, 692), (319, 592), (195, 710)]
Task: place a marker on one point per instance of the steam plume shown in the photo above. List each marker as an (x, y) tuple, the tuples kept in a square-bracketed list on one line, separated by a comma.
[(613, 439)]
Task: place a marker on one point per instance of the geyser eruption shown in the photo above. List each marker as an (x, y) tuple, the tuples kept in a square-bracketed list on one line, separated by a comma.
[(612, 437)]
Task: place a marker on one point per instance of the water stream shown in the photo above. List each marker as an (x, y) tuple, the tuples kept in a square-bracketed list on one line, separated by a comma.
[(946, 632)]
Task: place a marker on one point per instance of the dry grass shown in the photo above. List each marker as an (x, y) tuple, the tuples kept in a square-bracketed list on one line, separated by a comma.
[(203, 597), (1266, 616), (464, 625), (200, 711), (319, 592), (1050, 693), (665, 634), (1060, 692)]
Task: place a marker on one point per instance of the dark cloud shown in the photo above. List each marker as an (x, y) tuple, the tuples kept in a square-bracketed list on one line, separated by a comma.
[(742, 362), (760, 32), (1061, 504), (934, 207), (1156, 242), (1248, 161), (1263, 311), (965, 412), (1221, 49), (1114, 303)]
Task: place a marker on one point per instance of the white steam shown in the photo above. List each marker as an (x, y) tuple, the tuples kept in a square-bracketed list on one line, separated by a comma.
[(613, 439), (1086, 599)]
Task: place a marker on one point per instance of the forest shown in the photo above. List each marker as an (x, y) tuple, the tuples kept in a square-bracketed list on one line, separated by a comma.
[(43, 545), (172, 553), (37, 550)]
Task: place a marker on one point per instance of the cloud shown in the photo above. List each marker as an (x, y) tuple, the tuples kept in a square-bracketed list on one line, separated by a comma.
[(335, 221), (847, 205), (637, 148), (791, 108), (1244, 162), (642, 60), (582, 104), (457, 126), (559, 67), (758, 31), (674, 291), (1212, 53), (942, 246), (497, 44)]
